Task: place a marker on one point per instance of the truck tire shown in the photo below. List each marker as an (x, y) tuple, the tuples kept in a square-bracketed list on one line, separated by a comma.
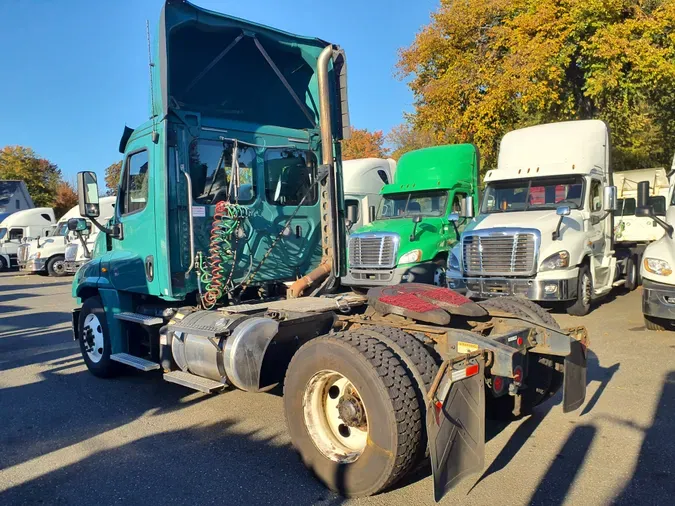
[(657, 324), (582, 306), (95, 339), (420, 362), (501, 408), (56, 266), (632, 273), (439, 274), (3, 264), (352, 413)]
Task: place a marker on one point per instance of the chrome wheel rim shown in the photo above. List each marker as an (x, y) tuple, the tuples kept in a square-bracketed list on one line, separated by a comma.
[(335, 417), (586, 289), (92, 334), (59, 267), (439, 276)]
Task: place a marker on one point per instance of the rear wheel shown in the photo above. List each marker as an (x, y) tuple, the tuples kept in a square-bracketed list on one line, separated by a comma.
[(658, 324), (352, 412)]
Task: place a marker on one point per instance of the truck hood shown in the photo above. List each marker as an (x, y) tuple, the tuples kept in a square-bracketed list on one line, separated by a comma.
[(225, 67), (572, 236), (429, 236)]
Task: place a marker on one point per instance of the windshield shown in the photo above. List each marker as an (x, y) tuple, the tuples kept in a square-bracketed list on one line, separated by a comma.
[(3, 233), (61, 229), (404, 205), (533, 194)]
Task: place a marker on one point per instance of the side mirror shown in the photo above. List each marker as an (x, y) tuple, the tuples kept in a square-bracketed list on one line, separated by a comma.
[(87, 194), (453, 217), (642, 194), (77, 225), (563, 211), (466, 207), (371, 213), (417, 218), (352, 213), (609, 198)]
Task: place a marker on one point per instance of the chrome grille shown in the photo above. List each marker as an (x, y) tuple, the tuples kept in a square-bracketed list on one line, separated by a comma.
[(373, 251), (493, 252), (22, 253)]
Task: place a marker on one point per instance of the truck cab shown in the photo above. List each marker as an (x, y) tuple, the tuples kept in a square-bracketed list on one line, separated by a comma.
[(20, 226), (363, 181), (545, 226), (409, 239)]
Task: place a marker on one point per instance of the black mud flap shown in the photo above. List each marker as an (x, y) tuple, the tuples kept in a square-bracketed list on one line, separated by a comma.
[(75, 322), (456, 423), (574, 383)]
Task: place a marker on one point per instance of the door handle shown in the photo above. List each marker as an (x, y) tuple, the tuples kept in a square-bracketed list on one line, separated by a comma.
[(149, 268)]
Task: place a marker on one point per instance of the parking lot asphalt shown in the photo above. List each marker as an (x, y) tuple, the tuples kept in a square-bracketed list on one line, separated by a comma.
[(67, 437)]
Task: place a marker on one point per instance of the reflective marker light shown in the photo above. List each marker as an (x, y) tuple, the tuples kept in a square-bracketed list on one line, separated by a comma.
[(518, 374), (497, 383), (519, 341)]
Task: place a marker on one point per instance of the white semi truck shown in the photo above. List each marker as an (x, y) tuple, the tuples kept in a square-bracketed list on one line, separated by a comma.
[(656, 269), (545, 227), (18, 227), (362, 181), (47, 256)]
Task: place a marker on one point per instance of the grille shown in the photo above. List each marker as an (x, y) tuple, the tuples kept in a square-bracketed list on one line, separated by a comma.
[(22, 253), (373, 251), (500, 253)]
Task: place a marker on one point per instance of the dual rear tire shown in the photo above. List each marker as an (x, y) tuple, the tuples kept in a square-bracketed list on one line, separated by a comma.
[(355, 407)]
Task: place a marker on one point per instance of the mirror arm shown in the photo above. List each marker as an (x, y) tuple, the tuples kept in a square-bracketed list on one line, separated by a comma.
[(414, 230), (115, 232), (556, 233)]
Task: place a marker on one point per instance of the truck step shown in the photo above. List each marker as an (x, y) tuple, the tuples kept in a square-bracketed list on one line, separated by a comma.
[(186, 379), (148, 321), (135, 362)]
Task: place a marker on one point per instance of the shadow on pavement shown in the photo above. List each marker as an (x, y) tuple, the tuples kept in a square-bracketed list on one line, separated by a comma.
[(15, 296)]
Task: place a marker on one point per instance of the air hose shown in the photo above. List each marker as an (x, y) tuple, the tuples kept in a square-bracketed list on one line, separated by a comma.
[(222, 251)]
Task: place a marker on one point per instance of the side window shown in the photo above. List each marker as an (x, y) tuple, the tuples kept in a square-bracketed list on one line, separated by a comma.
[(383, 176), (457, 202), (136, 182), (15, 234), (658, 202), (289, 176), (595, 196), (18, 204)]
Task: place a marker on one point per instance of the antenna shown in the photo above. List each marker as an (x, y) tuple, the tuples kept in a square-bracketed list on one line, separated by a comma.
[(155, 136)]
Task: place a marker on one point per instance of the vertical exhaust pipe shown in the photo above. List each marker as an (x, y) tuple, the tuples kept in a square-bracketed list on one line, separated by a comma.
[(328, 206)]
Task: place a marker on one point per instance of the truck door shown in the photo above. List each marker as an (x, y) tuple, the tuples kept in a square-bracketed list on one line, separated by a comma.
[(132, 260), (598, 238)]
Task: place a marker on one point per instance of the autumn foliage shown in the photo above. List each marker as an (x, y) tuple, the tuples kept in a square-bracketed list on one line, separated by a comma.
[(40, 175), (484, 67), (65, 198), (112, 177), (364, 144)]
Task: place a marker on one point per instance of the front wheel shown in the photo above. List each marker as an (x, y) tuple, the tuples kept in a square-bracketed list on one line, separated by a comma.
[(658, 324), (352, 413), (632, 274), (56, 266), (439, 277), (582, 306), (95, 339)]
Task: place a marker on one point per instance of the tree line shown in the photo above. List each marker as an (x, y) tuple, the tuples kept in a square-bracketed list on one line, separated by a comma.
[(482, 68)]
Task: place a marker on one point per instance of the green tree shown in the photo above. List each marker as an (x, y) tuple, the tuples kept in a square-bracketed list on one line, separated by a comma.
[(406, 137), (40, 175), (484, 67), (112, 177), (364, 144)]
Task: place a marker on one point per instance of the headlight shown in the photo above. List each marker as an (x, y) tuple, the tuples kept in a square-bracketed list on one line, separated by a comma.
[(411, 256), (34, 256), (558, 260), (453, 262), (656, 266)]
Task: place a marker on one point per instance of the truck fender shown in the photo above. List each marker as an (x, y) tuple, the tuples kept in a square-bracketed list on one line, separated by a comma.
[(456, 422)]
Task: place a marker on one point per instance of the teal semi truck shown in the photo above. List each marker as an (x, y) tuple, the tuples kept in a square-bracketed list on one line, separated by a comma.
[(410, 237), (221, 265)]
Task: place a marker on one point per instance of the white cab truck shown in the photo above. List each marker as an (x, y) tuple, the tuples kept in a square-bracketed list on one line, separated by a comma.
[(18, 227), (362, 181), (47, 256), (629, 228), (545, 227), (80, 248), (656, 269)]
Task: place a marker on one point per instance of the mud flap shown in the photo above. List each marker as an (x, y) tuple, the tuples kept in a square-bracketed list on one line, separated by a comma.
[(456, 423), (574, 382)]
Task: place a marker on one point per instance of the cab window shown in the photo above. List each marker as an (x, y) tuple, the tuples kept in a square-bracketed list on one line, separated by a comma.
[(457, 202), (595, 196), (289, 176), (134, 196), (15, 234)]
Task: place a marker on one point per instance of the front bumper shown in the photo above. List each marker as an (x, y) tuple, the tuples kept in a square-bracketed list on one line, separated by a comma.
[(35, 265), (658, 299), (415, 273), (552, 290), (72, 267)]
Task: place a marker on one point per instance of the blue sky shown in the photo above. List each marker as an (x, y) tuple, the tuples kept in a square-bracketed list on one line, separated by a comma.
[(75, 71)]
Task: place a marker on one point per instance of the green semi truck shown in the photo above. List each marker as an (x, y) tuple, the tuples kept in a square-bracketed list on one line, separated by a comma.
[(409, 239), (221, 265)]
